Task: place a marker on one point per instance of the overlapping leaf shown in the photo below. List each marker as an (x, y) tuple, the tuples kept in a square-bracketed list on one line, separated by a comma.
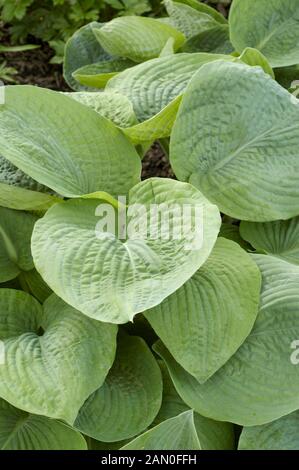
[(23, 431), (64, 144), (113, 106), (237, 156), (281, 434), (154, 84), (259, 383), (279, 238), (110, 278), (137, 38), (130, 398), (204, 322), (271, 26), (82, 49), (56, 356), (15, 236)]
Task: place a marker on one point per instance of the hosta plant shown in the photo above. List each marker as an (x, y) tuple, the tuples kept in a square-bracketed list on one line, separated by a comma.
[(158, 313)]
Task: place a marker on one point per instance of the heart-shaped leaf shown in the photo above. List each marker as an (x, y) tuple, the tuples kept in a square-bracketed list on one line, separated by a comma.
[(112, 278), (56, 356), (130, 397), (259, 383), (238, 156), (64, 144), (205, 321), (271, 26), (23, 431), (136, 38)]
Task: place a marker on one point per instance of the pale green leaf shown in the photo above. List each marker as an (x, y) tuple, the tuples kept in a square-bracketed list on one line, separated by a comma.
[(64, 144), (168, 49), (254, 57), (23, 431), (213, 435), (18, 198), (136, 38), (259, 383), (112, 278), (188, 20), (97, 75), (157, 127), (205, 321), (154, 84), (178, 433), (56, 356), (282, 434), (271, 26), (113, 106), (279, 238), (130, 397), (237, 156)]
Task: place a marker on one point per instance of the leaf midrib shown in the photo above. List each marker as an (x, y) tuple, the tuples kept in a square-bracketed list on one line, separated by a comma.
[(15, 430)]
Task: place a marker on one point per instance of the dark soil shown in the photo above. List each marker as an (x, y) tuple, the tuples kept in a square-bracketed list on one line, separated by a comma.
[(34, 68), (155, 163)]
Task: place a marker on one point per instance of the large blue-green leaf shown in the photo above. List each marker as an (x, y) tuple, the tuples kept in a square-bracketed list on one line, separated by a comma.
[(113, 106), (112, 278), (205, 321), (137, 38), (237, 156), (154, 84), (282, 434), (82, 49), (20, 430), (130, 397), (271, 26), (64, 144), (53, 358), (212, 435), (279, 238), (259, 383), (187, 19)]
